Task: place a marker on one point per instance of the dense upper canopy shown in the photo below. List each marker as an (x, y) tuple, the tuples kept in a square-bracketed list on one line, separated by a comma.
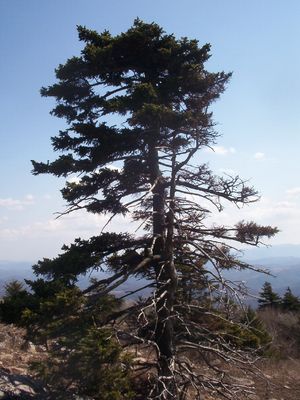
[(158, 85)]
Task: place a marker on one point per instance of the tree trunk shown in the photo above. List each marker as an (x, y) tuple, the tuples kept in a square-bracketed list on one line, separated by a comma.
[(166, 280)]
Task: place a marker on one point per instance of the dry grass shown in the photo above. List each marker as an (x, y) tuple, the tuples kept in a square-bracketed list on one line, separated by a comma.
[(15, 352), (277, 376), (280, 378), (284, 328)]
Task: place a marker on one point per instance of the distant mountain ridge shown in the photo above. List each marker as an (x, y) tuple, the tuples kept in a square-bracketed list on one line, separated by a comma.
[(284, 273), (20, 270), (283, 262), (10, 270), (278, 251)]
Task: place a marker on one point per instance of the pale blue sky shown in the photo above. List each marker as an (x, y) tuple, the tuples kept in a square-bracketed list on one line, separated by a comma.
[(258, 116)]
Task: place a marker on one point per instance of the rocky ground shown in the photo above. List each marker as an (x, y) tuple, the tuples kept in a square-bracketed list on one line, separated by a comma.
[(280, 379), (275, 380), (16, 381)]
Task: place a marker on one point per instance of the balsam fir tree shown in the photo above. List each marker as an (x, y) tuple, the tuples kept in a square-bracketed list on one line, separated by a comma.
[(268, 298), (141, 164), (290, 302)]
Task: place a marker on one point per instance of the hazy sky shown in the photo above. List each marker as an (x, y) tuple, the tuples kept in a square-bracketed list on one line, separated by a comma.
[(258, 116)]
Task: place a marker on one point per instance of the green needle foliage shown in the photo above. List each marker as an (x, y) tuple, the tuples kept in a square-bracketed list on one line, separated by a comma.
[(137, 107), (290, 302), (268, 298), (16, 298), (84, 357)]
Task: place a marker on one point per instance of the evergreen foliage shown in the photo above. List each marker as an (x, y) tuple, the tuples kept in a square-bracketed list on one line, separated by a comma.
[(58, 316), (16, 298), (290, 302), (157, 92), (254, 326), (268, 298), (84, 357)]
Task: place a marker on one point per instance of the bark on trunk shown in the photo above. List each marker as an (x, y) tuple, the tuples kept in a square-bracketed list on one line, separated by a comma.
[(166, 279)]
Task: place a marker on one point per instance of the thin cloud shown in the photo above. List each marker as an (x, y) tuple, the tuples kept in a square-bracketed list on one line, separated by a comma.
[(17, 204), (259, 155), (293, 191), (71, 225), (221, 150)]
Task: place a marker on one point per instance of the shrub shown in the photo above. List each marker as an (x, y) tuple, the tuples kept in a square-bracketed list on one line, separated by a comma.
[(284, 328), (84, 359), (15, 300)]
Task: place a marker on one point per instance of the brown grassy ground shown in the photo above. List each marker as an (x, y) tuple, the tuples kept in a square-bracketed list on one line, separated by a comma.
[(280, 379), (15, 352)]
